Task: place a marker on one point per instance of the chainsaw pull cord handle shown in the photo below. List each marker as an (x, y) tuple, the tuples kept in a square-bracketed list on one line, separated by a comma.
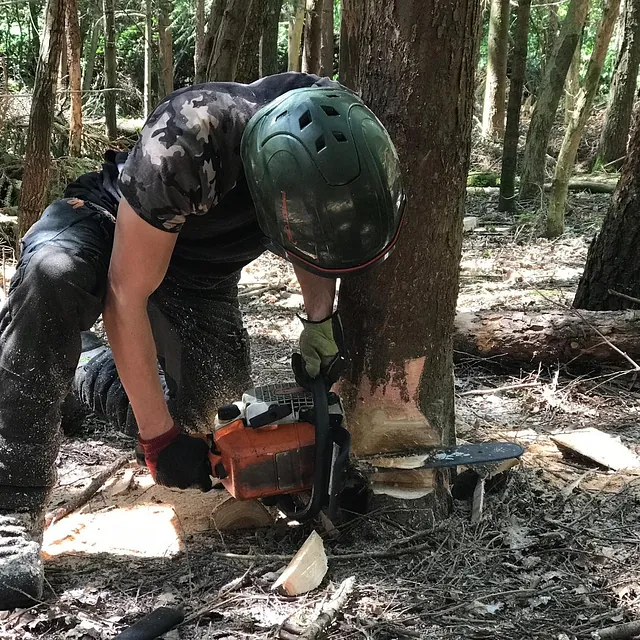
[(324, 450)]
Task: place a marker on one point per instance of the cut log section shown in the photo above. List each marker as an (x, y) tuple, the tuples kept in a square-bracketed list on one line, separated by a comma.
[(548, 338), (306, 570), (236, 514)]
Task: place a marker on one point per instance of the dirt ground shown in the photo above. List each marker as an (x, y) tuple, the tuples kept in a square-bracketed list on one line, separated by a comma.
[(555, 556)]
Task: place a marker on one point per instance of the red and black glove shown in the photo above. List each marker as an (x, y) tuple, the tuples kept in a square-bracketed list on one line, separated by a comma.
[(176, 459)]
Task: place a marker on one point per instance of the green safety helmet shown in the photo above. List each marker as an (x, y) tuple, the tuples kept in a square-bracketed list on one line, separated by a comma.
[(325, 179)]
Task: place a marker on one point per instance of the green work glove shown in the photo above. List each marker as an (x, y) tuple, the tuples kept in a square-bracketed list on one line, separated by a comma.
[(321, 351)]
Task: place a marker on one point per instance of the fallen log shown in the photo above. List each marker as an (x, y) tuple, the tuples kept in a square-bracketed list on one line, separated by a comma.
[(548, 338), (591, 186)]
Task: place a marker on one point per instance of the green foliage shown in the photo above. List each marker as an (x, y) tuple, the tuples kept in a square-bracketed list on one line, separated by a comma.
[(483, 179)]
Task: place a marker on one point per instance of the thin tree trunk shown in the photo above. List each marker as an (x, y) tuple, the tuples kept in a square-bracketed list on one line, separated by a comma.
[(165, 47), (224, 57), (34, 32), (214, 20), (495, 86), (74, 46), (533, 166), (312, 37), (512, 130), (615, 131), (269, 39), (551, 35), (37, 162), (398, 318), (199, 45), (63, 74), (294, 36), (326, 39), (148, 57), (90, 56), (248, 65), (110, 79), (573, 133), (572, 84), (613, 262)]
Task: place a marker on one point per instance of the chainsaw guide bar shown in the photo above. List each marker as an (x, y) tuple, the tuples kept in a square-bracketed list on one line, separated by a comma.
[(436, 458)]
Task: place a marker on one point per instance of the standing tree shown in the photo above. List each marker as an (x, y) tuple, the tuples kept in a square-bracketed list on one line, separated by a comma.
[(496, 84), (573, 133), (572, 84), (148, 57), (294, 37), (544, 112), (512, 130), (37, 161), (90, 54), (269, 39), (74, 46), (198, 50), (612, 261), (615, 131), (398, 319), (326, 39), (312, 37), (203, 55), (165, 47), (248, 65), (550, 34), (228, 41), (110, 79)]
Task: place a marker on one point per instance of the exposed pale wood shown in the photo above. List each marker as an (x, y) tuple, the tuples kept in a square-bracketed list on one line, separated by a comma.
[(599, 447), (240, 514), (306, 570), (330, 609), (478, 501), (123, 484), (469, 223)]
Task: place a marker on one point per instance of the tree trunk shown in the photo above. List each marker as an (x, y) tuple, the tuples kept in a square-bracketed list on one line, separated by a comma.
[(572, 85), (615, 131), (34, 32), (312, 37), (348, 43), (495, 86), (110, 79), (550, 35), (90, 55), (74, 46), (216, 12), (573, 133), (269, 39), (165, 47), (294, 36), (398, 318), (148, 57), (248, 66), (326, 39), (224, 57), (532, 177), (515, 338), (512, 131), (198, 50), (37, 162), (612, 261)]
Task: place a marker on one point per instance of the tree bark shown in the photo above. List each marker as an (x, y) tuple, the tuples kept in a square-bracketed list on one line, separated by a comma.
[(398, 318), (550, 35), (612, 261), (148, 57), (37, 162), (312, 37), (514, 337), (572, 84), (506, 201), (165, 47), (198, 51), (496, 83), (615, 131), (74, 46), (269, 39), (248, 65), (90, 55), (110, 79), (532, 177), (573, 133), (224, 57), (216, 11), (326, 39), (348, 43), (294, 36)]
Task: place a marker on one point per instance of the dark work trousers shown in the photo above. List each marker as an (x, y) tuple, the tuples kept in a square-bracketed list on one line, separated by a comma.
[(57, 292)]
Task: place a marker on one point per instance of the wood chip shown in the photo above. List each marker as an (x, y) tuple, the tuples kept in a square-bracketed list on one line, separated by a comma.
[(306, 570), (240, 514)]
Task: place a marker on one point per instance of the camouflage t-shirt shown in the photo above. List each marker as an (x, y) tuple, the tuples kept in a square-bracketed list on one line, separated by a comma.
[(185, 173)]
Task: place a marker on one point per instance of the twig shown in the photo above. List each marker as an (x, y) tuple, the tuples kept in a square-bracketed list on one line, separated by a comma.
[(87, 493), (330, 610), (508, 387), (620, 631), (478, 501), (623, 295)]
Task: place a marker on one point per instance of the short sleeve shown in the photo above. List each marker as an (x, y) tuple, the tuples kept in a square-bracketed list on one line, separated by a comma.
[(171, 172)]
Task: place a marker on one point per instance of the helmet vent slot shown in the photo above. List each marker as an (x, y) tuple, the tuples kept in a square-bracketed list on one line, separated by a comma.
[(320, 143), (339, 136), (329, 110), (305, 120), (281, 115)]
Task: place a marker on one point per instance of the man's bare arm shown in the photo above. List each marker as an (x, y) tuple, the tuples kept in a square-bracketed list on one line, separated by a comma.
[(139, 262), (318, 294)]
